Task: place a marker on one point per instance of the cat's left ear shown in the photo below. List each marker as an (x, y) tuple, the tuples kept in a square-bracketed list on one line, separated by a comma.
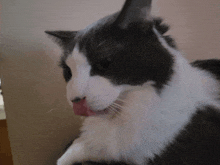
[(134, 11), (63, 38)]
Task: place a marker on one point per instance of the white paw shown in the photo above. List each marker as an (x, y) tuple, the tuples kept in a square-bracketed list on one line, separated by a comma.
[(75, 153)]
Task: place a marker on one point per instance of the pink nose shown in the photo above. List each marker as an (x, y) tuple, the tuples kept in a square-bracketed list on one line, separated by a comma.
[(78, 99)]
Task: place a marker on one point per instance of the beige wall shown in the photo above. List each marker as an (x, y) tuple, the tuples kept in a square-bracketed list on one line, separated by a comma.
[(39, 119)]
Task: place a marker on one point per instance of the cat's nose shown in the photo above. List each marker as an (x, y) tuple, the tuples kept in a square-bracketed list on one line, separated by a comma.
[(77, 99)]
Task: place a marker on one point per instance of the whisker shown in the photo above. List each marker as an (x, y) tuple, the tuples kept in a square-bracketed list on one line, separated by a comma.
[(50, 111), (117, 105), (101, 43), (120, 100), (113, 109)]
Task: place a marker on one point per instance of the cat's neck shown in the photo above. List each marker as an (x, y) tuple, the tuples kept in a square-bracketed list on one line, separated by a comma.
[(190, 85), (187, 89)]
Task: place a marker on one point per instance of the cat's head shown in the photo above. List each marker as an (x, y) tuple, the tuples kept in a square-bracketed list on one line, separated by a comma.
[(119, 52)]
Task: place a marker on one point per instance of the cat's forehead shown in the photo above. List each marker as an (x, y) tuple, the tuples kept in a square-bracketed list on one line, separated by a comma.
[(101, 40), (84, 37), (107, 20), (78, 56)]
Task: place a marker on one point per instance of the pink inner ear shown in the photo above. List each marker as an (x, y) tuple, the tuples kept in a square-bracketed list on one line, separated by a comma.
[(81, 108)]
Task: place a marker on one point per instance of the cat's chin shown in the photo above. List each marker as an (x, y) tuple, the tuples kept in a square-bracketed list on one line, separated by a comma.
[(102, 112), (113, 108), (82, 109)]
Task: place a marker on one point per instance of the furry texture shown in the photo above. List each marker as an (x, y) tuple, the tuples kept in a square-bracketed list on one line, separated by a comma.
[(157, 102), (197, 143)]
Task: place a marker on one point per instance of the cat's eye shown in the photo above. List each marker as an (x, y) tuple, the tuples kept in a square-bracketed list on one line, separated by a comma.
[(103, 65), (67, 74)]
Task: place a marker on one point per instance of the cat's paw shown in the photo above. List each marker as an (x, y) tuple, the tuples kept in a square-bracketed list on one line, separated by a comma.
[(74, 154), (61, 162)]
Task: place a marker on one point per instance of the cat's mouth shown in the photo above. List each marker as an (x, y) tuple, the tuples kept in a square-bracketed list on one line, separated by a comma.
[(82, 109)]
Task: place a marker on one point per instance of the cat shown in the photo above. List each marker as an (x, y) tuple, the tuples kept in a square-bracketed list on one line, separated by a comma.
[(144, 102)]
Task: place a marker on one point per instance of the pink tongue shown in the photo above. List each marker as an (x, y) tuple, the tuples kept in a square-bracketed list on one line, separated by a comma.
[(82, 109)]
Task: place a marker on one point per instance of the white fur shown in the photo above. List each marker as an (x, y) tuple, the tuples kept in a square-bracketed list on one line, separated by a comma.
[(147, 121), (68, 157), (80, 71)]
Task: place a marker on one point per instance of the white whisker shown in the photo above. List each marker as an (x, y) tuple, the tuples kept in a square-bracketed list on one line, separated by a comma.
[(120, 100), (117, 105), (113, 109), (50, 111), (53, 109)]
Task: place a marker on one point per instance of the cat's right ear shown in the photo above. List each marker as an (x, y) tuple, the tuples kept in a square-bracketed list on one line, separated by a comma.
[(63, 38)]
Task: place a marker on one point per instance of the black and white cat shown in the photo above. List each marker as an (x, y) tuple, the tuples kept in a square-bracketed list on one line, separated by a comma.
[(144, 102)]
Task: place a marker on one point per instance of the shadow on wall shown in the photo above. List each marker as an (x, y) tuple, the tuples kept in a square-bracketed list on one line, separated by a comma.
[(40, 121)]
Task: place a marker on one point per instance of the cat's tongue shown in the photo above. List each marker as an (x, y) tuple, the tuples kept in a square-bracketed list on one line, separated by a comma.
[(82, 109)]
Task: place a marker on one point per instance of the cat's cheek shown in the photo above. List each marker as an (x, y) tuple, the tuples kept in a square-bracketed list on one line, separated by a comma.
[(101, 93)]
